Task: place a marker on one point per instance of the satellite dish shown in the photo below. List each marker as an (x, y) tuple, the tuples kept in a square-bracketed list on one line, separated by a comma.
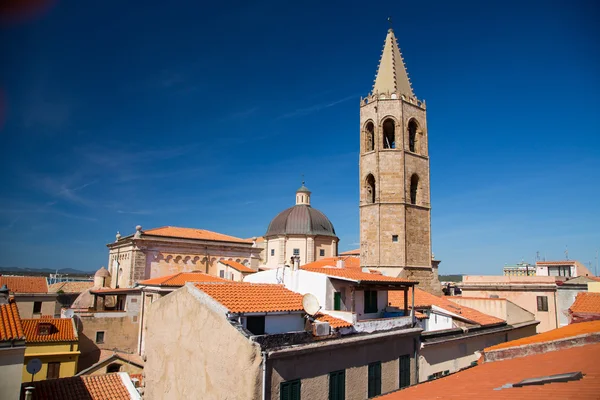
[(34, 366), (310, 304)]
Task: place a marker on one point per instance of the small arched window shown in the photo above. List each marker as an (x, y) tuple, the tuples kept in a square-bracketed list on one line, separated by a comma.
[(414, 185), (369, 137), (370, 189), (412, 136), (114, 367), (389, 134)]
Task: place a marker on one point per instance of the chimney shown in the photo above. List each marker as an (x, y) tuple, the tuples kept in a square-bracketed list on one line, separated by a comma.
[(4, 293), (339, 263), (29, 392), (296, 263)]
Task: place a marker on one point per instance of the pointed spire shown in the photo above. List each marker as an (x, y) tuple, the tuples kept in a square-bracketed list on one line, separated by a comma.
[(391, 72)]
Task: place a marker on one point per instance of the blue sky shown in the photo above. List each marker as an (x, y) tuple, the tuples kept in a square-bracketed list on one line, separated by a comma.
[(189, 114)]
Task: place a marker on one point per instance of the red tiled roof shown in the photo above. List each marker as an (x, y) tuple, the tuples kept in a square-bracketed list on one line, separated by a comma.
[(108, 290), (70, 287), (488, 380), (25, 284), (586, 303), (355, 252), (555, 334), (238, 266), (333, 321), (355, 275), (62, 330), (191, 233), (242, 297), (426, 300), (349, 262), (181, 278), (10, 321), (89, 387)]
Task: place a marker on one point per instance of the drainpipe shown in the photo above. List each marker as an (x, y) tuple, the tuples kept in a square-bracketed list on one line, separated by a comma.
[(264, 375), (417, 343), (555, 308), (412, 309)]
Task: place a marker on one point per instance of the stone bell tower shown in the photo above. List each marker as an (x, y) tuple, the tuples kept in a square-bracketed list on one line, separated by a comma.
[(395, 212)]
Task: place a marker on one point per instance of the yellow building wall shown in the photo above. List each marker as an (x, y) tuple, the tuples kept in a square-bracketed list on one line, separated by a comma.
[(67, 354), (594, 287)]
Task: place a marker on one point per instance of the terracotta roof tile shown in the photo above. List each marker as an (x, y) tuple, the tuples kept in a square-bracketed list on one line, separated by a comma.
[(238, 266), (565, 262), (555, 334), (349, 262), (70, 287), (333, 321), (61, 330), (191, 233), (242, 297), (11, 327), (181, 278), (354, 274), (355, 252), (488, 380), (90, 387), (586, 303), (25, 284), (426, 300)]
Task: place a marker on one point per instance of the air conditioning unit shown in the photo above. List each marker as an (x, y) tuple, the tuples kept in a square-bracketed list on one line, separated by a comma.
[(320, 328)]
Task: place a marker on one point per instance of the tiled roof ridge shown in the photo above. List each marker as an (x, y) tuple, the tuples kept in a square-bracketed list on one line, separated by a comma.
[(237, 266), (64, 330), (11, 327)]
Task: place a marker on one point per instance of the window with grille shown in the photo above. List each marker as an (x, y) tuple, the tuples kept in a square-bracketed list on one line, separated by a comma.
[(272, 252), (37, 307), (100, 337), (322, 252), (374, 388), (404, 367), (542, 303), (337, 385), (290, 390), (296, 252)]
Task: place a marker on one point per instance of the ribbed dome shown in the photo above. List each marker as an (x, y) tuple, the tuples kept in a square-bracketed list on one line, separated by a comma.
[(103, 273), (301, 219)]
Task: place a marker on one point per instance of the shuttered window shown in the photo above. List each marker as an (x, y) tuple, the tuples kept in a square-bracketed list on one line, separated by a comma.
[(404, 367), (374, 379), (542, 303), (337, 301), (370, 301), (290, 390), (337, 385), (53, 370)]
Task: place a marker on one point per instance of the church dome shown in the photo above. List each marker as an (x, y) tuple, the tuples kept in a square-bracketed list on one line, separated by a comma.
[(301, 219)]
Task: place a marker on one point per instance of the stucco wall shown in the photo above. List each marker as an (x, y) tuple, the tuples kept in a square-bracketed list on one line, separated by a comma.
[(194, 352), (313, 368), (526, 299), (11, 371), (120, 332), (437, 322), (455, 355), (499, 308), (565, 297), (25, 304), (65, 353), (125, 367)]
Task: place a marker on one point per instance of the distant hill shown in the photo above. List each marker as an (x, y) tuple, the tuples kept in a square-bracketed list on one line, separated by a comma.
[(451, 278), (43, 271)]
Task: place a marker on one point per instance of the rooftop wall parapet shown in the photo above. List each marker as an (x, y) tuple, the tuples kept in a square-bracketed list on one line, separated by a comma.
[(370, 98)]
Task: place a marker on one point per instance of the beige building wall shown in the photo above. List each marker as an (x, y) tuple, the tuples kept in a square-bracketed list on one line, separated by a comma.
[(178, 366), (309, 247), (25, 303), (454, 355), (11, 371), (594, 287), (313, 367), (125, 367), (521, 290), (499, 308)]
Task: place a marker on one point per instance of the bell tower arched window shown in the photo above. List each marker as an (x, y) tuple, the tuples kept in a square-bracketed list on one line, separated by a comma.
[(370, 189), (414, 185), (369, 137), (389, 134), (413, 144)]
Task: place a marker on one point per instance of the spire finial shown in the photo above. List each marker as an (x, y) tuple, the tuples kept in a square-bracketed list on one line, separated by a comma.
[(302, 179), (389, 19)]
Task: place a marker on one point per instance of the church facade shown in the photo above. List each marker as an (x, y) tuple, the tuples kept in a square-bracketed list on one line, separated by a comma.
[(395, 208)]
